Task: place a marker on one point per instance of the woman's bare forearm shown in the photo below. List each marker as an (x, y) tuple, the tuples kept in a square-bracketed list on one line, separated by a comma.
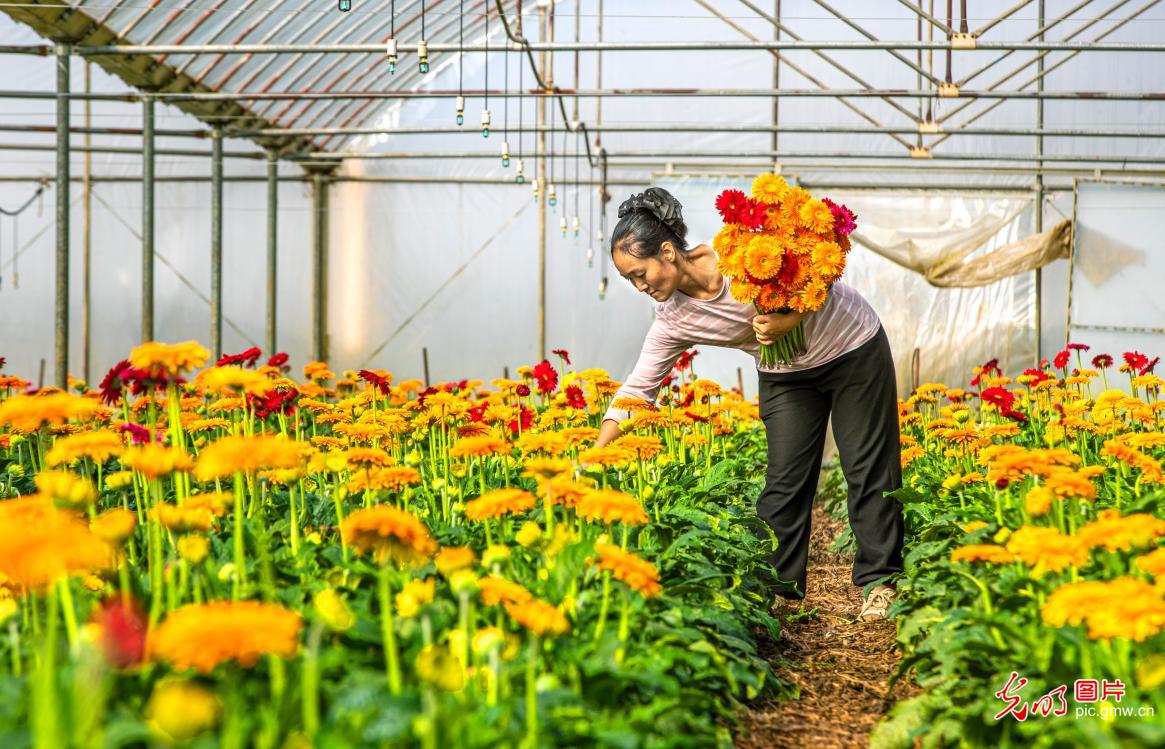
[(607, 432)]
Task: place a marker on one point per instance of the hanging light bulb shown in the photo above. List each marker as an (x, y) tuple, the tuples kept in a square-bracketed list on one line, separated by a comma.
[(562, 226), (574, 225), (460, 110), (391, 55), (603, 288), (485, 123), (505, 153), (551, 198), (590, 257), (534, 184), (345, 5), (423, 56), (520, 177)]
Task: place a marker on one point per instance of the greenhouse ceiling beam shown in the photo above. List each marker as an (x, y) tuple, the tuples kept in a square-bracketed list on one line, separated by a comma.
[(757, 154), (858, 28), (620, 182), (709, 128), (917, 10), (668, 46), (61, 317), (596, 93), (994, 21), (134, 131), (253, 155)]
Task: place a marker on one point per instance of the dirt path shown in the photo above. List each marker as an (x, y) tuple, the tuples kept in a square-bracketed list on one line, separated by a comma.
[(840, 666)]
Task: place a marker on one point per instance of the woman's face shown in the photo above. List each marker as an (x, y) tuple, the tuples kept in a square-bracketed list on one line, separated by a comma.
[(657, 276)]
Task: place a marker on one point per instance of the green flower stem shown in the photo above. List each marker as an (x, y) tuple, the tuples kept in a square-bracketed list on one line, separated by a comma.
[(388, 630), (624, 627), (46, 718), (294, 523), (69, 612), (532, 692), (310, 681), (604, 603), (240, 577)]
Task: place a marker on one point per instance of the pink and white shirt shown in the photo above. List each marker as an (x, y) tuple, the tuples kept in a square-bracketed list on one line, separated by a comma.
[(843, 323)]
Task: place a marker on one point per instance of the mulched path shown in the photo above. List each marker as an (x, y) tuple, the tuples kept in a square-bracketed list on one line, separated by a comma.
[(840, 666)]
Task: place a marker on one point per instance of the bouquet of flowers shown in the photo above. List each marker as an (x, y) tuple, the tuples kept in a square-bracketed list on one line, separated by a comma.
[(783, 249)]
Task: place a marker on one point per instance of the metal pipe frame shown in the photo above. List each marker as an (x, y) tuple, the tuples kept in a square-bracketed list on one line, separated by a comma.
[(216, 183), (758, 154), (272, 248), (255, 156), (671, 46), (618, 182), (321, 179), (1039, 207), (61, 319), (599, 93), (147, 221), (131, 131)]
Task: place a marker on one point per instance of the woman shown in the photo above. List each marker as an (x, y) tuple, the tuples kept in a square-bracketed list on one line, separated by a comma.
[(847, 370)]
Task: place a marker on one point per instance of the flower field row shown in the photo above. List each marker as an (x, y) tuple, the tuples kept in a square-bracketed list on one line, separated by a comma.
[(1033, 605), (225, 556)]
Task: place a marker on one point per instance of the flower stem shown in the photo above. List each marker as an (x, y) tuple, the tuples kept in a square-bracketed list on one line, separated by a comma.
[(389, 631)]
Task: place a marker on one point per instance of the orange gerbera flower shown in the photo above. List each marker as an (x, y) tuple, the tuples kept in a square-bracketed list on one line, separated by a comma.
[(764, 256), (611, 505), (40, 544), (639, 574), (170, 358), (98, 446), (480, 447), (453, 558), (388, 534), (394, 478), (155, 461), (499, 502), (743, 291), (27, 413), (368, 456), (816, 216), (539, 617), (644, 447), (202, 636), (495, 590)]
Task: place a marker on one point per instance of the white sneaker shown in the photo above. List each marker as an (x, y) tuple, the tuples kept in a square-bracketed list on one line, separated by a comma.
[(877, 602)]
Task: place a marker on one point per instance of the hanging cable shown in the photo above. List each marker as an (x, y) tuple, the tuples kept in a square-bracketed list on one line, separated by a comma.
[(423, 46), (548, 129), (591, 219), (520, 177), (15, 213), (485, 111), (460, 61), (577, 151), (505, 107), (392, 48)]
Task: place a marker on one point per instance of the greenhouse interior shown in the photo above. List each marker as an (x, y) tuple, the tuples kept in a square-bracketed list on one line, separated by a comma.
[(332, 413)]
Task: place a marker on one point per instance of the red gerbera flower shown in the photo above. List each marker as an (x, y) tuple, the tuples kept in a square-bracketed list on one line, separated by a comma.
[(123, 631), (546, 375), (753, 214), (685, 360), (523, 390), (477, 413), (574, 397), (1012, 414), (1135, 359), (1102, 361), (279, 361), (1079, 346), (985, 371), (1061, 360), (382, 383), (844, 220), (999, 397), (563, 353), (112, 384), (1148, 366), (696, 417), (138, 434), (730, 203)]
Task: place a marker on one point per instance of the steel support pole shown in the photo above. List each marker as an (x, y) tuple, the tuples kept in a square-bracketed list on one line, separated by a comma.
[(319, 264), (216, 242), (272, 247), (86, 239), (1039, 217), (148, 185), (776, 85), (542, 27), (61, 321)]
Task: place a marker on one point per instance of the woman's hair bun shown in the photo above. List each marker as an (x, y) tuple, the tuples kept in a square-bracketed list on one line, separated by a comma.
[(661, 204)]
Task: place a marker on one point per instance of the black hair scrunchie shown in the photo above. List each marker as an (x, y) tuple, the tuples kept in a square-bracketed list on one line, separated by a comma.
[(659, 202)]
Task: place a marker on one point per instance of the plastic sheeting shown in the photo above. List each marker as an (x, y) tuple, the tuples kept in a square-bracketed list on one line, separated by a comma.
[(1116, 256)]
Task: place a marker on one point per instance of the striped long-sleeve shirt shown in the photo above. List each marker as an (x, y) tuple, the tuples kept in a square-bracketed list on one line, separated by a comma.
[(843, 323)]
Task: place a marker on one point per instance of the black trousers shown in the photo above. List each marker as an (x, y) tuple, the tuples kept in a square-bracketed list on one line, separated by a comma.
[(860, 390)]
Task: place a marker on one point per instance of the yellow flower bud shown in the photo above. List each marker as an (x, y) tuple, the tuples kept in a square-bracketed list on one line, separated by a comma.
[(486, 640), (179, 710), (463, 581), (495, 554), (334, 610), (416, 593), (529, 534), (439, 667), (193, 548)]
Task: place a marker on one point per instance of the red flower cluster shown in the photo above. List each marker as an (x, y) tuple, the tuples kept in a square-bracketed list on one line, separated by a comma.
[(737, 208), (1039, 375), (280, 400), (1140, 363), (247, 358), (991, 367), (685, 360), (547, 376)]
